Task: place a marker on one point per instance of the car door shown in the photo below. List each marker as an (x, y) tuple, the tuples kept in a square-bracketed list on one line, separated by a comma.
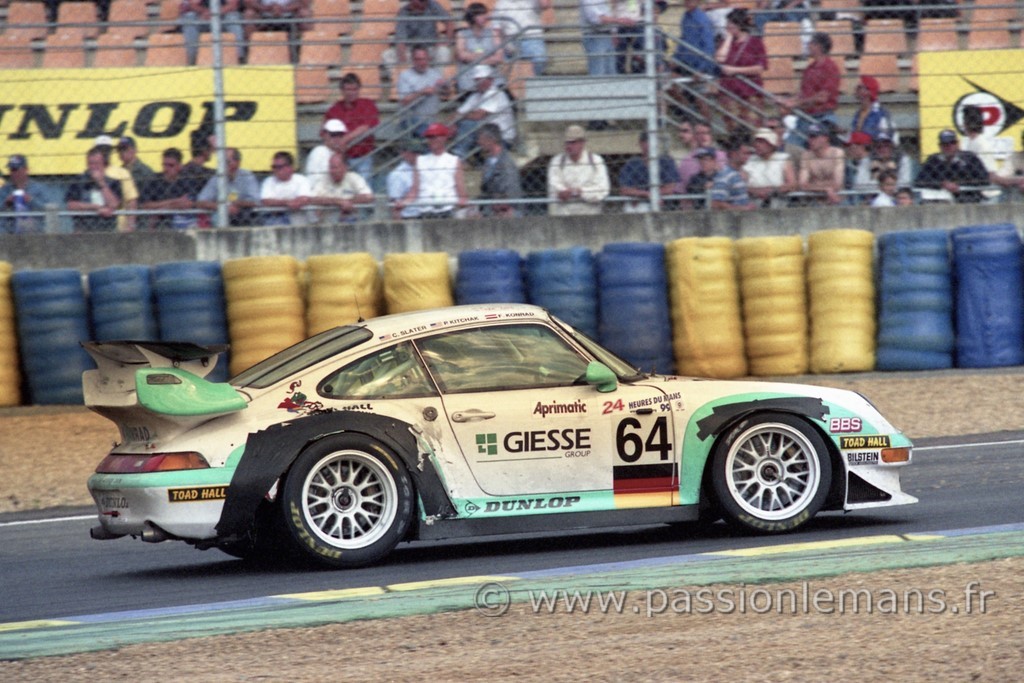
[(528, 423)]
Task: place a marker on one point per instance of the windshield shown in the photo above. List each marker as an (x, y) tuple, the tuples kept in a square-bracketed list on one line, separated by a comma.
[(305, 354), (623, 370)]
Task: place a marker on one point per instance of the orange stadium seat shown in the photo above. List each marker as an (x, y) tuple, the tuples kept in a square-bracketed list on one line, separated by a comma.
[(165, 49), (885, 36), (132, 15), (780, 78), (989, 38), (229, 51), (379, 9), (995, 12), (269, 47), (63, 51), (16, 52), (782, 38), (77, 19), (331, 16), (885, 68), (170, 10), (937, 34), (115, 49), (26, 19), (318, 54)]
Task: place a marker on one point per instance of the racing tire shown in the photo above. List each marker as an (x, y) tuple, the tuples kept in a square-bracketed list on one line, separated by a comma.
[(771, 473), (347, 501)]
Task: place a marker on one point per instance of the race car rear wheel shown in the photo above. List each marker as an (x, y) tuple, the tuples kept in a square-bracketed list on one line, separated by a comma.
[(771, 473), (347, 501)]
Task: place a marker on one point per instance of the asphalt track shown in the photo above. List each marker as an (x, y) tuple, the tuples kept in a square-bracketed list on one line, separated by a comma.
[(63, 592)]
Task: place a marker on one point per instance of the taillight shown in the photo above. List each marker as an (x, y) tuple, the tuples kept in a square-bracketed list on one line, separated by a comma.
[(157, 462)]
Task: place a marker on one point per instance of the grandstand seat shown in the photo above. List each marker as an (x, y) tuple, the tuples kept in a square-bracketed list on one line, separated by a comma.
[(77, 19), (64, 51), (269, 47), (885, 68), (16, 52), (27, 20), (366, 54), (115, 49), (995, 12), (937, 34), (168, 16), (885, 36), (128, 17), (229, 51), (780, 77), (369, 76), (378, 9), (165, 49), (318, 54), (989, 38), (841, 32), (782, 38), (331, 16)]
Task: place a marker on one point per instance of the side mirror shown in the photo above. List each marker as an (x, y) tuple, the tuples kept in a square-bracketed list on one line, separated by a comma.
[(601, 376)]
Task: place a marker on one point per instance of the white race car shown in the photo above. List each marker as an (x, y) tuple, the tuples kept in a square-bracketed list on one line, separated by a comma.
[(458, 422)]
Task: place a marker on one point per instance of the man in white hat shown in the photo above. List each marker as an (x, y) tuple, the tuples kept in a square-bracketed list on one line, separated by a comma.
[(487, 104), (770, 174), (331, 133), (577, 178)]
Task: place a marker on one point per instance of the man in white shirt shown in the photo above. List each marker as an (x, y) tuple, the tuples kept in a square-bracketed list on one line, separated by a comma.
[(420, 90), (285, 189), (577, 178), (399, 181), (331, 133), (770, 174), (344, 191), (438, 185), (487, 104)]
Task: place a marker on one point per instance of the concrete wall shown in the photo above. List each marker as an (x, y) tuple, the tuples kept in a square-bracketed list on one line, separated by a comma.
[(90, 251)]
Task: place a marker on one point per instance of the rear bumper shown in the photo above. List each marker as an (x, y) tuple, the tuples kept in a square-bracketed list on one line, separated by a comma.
[(182, 511)]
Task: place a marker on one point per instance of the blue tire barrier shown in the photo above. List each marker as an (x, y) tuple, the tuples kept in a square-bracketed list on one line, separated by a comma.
[(989, 296), (915, 295), (634, 310), (190, 306), (121, 301), (489, 276), (564, 281), (53, 318)]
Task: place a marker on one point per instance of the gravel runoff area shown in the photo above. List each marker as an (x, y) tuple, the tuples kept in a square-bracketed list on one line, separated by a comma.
[(524, 645)]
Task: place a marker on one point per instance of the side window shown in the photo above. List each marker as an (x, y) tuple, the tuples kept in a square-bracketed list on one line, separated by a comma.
[(505, 357), (394, 372)]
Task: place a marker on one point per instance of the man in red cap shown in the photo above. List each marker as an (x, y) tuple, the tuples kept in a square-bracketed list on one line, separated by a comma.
[(871, 117), (438, 186)]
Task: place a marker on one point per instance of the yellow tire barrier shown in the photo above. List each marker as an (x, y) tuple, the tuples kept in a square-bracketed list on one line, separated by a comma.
[(773, 287), (342, 289), (265, 307), (707, 329), (10, 374), (841, 288), (415, 282)]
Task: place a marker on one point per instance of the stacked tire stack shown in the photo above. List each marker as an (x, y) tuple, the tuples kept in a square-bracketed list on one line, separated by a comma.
[(10, 374), (990, 287), (343, 288), (633, 296), (53, 318), (416, 282), (489, 276), (265, 308), (773, 288), (707, 325), (564, 281), (190, 306), (915, 301), (841, 288), (121, 301)]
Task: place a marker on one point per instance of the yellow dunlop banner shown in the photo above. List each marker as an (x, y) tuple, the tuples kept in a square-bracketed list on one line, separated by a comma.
[(990, 79), (53, 115)]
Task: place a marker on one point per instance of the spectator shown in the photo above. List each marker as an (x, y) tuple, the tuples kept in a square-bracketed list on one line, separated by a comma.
[(243, 191), (857, 176), (770, 174), (729, 189), (196, 170), (361, 117), (695, 53), (780, 10), (982, 145), (702, 139), (285, 189), (684, 135), (500, 178), (742, 59), (871, 117), (416, 24), (194, 17), (886, 156), (438, 186), (21, 193), (635, 179), (599, 24), (521, 20), (342, 190), (887, 189), (487, 104), (332, 132), (399, 180), (96, 192), (129, 190), (1015, 170), (954, 171), (478, 43), (577, 178), (822, 168), (420, 91), (701, 182), (795, 152), (169, 191), (819, 89), (276, 15), (630, 37), (905, 197), (140, 172)]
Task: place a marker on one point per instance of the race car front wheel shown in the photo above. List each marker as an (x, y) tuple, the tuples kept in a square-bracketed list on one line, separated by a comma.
[(771, 473), (347, 501)]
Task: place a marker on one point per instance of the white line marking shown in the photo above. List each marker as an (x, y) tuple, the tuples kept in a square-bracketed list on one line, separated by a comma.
[(48, 520), (967, 445)]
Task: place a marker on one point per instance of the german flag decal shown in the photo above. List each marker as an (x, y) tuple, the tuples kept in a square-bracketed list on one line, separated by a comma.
[(642, 486)]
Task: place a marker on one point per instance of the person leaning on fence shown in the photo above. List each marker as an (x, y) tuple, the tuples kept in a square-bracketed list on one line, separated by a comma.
[(169, 191), (285, 189), (342, 191), (857, 169), (332, 132), (521, 20), (438, 182), (140, 172), (130, 191), (770, 173), (361, 117), (487, 104), (635, 179), (995, 159), (96, 192), (742, 59), (886, 156), (952, 173), (420, 89), (819, 89), (887, 189), (400, 179), (822, 169), (416, 24), (702, 139), (577, 178), (21, 193), (500, 178), (701, 182), (729, 189), (243, 191)]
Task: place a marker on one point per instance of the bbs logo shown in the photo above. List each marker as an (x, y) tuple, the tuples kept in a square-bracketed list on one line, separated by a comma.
[(840, 425)]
